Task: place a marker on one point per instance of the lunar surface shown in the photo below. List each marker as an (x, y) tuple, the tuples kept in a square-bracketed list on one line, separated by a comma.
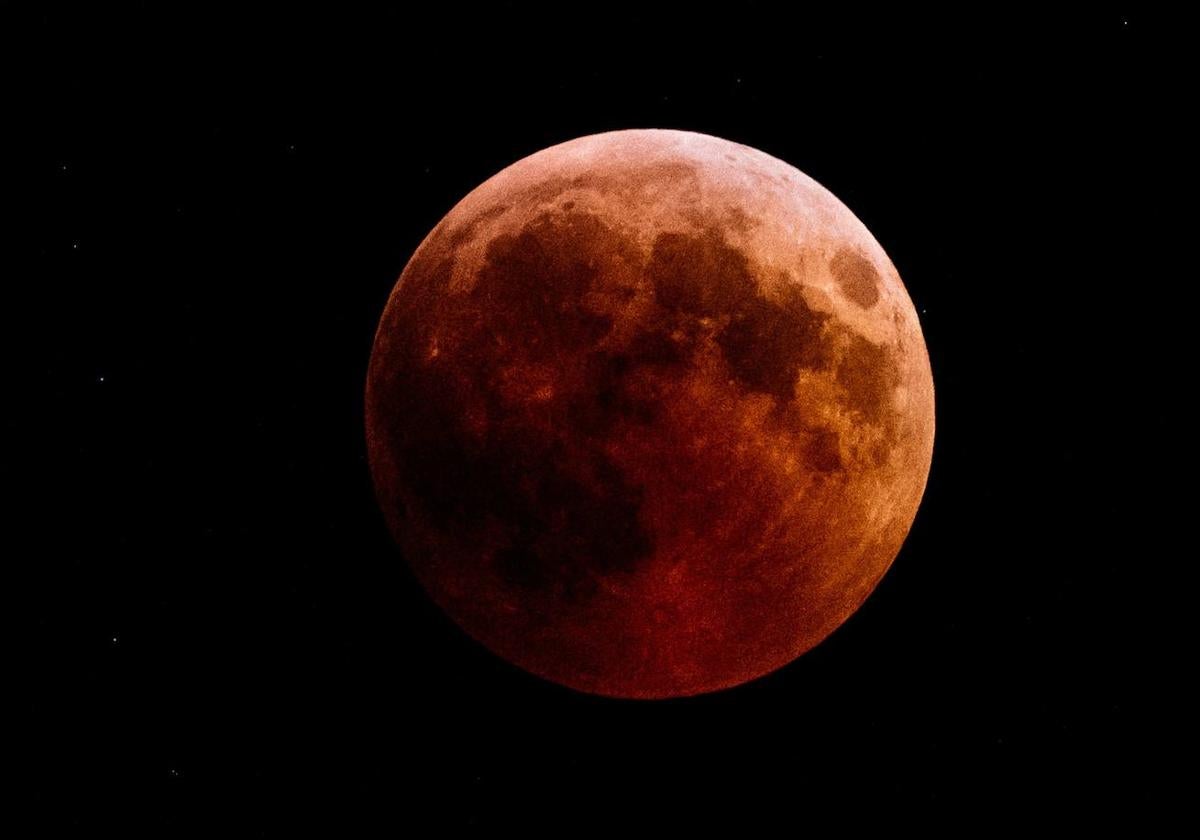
[(649, 413)]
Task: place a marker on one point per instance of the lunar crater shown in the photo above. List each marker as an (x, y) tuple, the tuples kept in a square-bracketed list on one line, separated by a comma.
[(856, 276)]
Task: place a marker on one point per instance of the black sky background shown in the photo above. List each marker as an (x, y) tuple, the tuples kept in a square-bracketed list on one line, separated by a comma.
[(213, 208)]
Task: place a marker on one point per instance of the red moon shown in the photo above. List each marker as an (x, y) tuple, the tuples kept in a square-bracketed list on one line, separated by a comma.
[(649, 413)]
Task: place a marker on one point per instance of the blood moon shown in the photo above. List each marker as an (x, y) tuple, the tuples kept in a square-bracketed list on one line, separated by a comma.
[(649, 413)]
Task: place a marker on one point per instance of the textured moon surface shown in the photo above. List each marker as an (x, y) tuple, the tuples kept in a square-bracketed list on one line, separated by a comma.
[(649, 413)]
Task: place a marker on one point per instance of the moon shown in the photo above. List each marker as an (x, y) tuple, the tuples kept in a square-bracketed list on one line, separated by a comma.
[(649, 413)]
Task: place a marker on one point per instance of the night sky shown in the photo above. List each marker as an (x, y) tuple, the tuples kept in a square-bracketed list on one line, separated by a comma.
[(219, 631)]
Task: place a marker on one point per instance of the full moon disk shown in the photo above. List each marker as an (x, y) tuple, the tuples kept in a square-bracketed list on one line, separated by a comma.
[(649, 413)]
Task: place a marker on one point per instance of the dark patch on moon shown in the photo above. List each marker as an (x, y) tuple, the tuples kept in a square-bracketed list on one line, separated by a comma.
[(765, 341), (541, 275), (558, 514), (823, 453), (699, 275), (566, 531), (856, 277)]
